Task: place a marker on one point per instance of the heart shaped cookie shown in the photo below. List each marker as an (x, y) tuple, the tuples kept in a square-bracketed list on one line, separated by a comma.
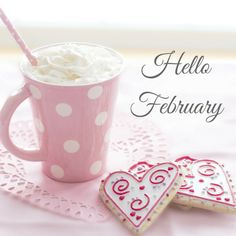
[(206, 185), (137, 201)]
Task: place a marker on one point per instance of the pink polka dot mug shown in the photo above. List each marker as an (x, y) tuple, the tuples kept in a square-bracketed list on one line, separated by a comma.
[(72, 124)]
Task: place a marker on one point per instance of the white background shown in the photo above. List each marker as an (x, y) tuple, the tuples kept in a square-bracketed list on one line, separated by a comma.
[(187, 14), (202, 24)]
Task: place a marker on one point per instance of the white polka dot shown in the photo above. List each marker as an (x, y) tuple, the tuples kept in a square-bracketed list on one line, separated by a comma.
[(39, 125), (95, 92), (95, 167), (107, 136), (35, 92), (101, 118), (63, 109), (71, 146), (57, 171)]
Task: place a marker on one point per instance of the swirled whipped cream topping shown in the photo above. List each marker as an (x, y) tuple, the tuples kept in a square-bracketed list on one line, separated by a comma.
[(73, 63)]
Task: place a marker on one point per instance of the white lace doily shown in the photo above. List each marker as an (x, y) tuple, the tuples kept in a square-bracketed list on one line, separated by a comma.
[(133, 140)]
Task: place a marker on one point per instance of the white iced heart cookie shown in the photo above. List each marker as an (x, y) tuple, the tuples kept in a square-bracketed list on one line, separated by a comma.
[(138, 201), (206, 185)]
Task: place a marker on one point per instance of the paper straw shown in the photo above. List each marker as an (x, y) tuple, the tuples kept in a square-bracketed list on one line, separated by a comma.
[(17, 38)]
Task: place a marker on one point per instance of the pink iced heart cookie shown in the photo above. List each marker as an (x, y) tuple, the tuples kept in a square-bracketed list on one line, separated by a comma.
[(138, 201), (206, 185)]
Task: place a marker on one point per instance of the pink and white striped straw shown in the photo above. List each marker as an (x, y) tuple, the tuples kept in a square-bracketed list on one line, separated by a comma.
[(18, 39)]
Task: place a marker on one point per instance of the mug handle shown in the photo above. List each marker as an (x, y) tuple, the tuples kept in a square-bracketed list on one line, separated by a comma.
[(5, 117)]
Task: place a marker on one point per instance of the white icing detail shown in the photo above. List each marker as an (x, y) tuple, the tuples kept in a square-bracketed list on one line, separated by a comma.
[(140, 195), (207, 186)]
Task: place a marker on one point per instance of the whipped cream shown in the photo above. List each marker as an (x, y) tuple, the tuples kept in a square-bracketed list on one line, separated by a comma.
[(74, 63)]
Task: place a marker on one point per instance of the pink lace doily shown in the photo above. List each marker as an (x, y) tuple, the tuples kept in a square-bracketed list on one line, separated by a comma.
[(132, 140)]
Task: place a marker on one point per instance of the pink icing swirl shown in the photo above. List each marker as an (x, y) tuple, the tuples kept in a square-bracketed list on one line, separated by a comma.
[(206, 170), (216, 190), (186, 185), (139, 204), (158, 176), (120, 187)]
